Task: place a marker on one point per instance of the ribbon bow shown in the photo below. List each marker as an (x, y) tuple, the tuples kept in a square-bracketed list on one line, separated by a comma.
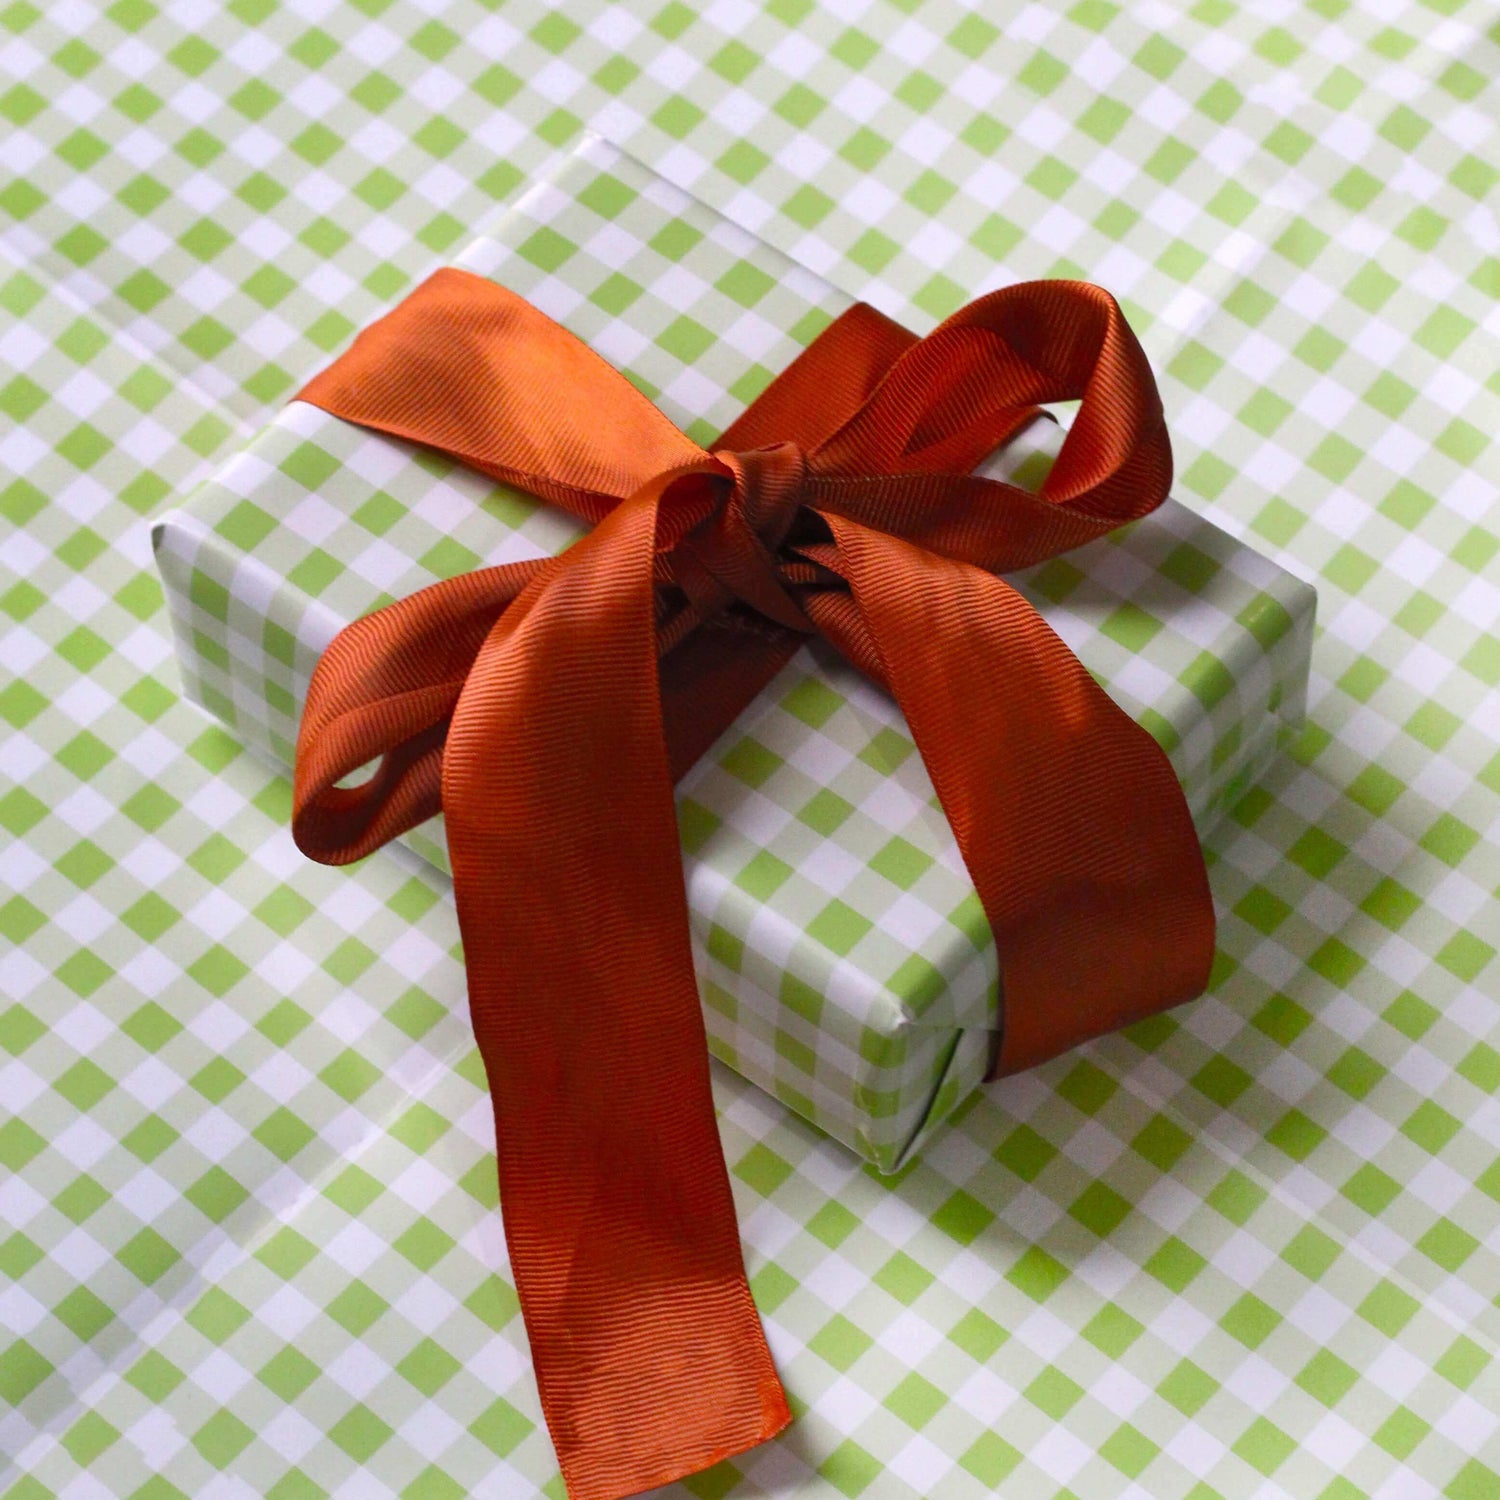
[(547, 707)]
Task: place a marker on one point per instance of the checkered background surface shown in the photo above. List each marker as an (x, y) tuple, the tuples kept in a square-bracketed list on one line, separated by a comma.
[(247, 1232)]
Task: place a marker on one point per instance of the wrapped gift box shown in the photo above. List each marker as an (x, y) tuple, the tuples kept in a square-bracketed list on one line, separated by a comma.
[(845, 963)]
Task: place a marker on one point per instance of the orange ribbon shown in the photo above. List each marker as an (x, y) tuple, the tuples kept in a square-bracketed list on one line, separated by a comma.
[(547, 707)]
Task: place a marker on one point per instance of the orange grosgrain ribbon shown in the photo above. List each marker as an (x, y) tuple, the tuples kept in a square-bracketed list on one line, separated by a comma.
[(547, 707)]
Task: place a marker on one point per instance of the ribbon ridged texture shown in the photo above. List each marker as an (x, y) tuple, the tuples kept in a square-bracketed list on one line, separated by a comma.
[(547, 707)]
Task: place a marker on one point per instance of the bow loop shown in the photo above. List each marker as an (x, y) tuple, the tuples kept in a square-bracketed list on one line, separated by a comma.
[(954, 397), (384, 691)]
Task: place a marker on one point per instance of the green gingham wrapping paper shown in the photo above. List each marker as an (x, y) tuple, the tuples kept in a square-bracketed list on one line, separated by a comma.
[(248, 1240), (844, 960)]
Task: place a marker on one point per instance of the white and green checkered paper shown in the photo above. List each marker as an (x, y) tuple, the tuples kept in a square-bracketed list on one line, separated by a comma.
[(844, 959), (248, 1241)]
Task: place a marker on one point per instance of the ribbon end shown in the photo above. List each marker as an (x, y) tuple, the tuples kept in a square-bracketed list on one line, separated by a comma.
[(609, 1482)]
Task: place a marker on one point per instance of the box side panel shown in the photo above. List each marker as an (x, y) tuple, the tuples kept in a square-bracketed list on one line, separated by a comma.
[(966, 1066), (246, 641)]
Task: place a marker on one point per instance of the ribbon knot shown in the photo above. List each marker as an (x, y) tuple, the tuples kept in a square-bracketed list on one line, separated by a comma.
[(733, 553), (546, 708)]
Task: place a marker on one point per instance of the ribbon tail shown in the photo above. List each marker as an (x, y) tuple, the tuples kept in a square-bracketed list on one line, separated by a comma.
[(708, 680), (648, 1350), (470, 369), (1068, 814)]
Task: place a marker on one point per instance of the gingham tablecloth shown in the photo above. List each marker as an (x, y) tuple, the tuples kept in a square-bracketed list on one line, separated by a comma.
[(248, 1239)]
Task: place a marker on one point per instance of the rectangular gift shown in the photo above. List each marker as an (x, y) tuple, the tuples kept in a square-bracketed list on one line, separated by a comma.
[(843, 957)]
